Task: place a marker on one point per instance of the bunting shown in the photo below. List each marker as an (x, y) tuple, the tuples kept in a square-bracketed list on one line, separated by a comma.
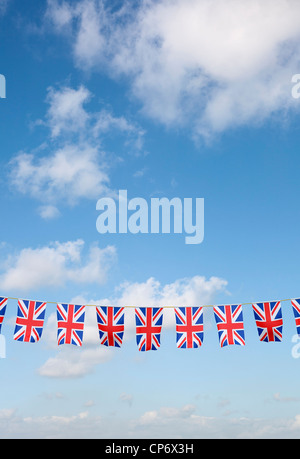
[(268, 317), (189, 327), (3, 304), (110, 322), (296, 310), (70, 324), (110, 325), (230, 325), (148, 328), (29, 321)]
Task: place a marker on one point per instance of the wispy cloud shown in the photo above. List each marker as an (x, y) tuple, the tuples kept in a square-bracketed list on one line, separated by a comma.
[(231, 64), (71, 164), (70, 173), (3, 6), (54, 265), (66, 112), (164, 422)]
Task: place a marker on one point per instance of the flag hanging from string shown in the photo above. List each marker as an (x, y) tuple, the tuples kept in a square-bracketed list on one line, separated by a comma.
[(268, 317), (110, 325), (230, 325), (70, 324), (148, 328), (296, 310), (3, 304), (29, 321), (189, 327)]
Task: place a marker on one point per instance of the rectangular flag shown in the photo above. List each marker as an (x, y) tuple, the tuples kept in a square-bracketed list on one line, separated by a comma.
[(296, 309), (229, 320), (110, 325), (189, 327), (148, 328), (3, 304), (268, 317), (70, 324), (29, 321)]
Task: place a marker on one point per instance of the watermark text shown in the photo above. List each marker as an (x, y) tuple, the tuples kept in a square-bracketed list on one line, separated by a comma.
[(163, 215), (2, 87), (2, 347)]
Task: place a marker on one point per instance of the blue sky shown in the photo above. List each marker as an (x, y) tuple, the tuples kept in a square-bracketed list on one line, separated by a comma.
[(162, 99)]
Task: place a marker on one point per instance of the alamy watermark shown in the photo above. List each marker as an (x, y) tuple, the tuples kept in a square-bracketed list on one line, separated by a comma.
[(2, 347), (296, 87), (296, 348), (2, 87), (163, 215)]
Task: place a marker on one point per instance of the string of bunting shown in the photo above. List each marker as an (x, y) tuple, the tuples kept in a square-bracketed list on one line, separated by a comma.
[(149, 320)]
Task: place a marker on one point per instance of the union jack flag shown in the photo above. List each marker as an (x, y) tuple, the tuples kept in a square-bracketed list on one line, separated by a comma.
[(70, 323), (3, 303), (148, 328), (268, 317), (296, 309), (110, 325), (29, 321), (189, 327), (229, 320)]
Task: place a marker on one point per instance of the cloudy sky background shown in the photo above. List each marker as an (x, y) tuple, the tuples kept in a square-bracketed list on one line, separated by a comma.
[(162, 99)]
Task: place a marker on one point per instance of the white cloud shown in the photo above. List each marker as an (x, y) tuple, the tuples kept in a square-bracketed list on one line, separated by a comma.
[(66, 112), (166, 413), (71, 173), (106, 122), (14, 425), (196, 290), (55, 265), (96, 267), (71, 361), (89, 42), (49, 212), (185, 422), (187, 291), (230, 65), (59, 13), (166, 422), (71, 165), (88, 15)]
